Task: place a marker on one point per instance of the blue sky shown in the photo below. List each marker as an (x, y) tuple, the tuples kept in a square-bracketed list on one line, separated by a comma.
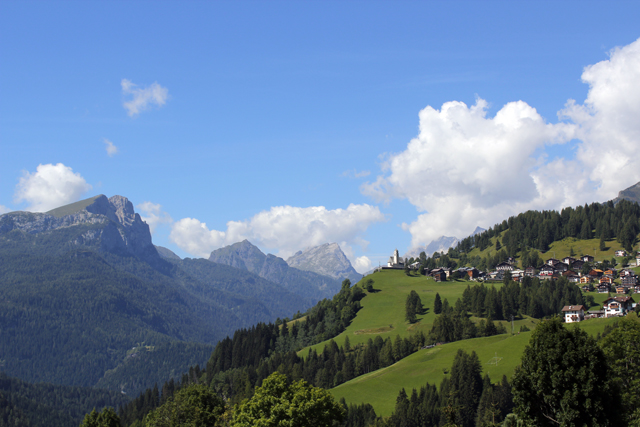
[(373, 124)]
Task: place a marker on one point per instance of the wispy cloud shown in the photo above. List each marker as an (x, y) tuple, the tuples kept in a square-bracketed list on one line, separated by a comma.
[(49, 187), (143, 98), (355, 174), (4, 209), (112, 150)]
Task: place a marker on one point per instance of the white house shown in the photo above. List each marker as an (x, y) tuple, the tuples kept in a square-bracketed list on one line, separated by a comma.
[(573, 313), (617, 306)]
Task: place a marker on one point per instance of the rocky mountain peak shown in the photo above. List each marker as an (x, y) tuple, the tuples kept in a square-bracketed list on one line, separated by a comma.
[(327, 259)]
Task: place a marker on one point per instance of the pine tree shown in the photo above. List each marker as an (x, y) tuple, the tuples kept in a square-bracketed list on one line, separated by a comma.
[(437, 304)]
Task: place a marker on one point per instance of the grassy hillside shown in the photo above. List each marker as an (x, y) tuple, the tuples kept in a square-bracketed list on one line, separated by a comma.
[(498, 354), (383, 311), (382, 314)]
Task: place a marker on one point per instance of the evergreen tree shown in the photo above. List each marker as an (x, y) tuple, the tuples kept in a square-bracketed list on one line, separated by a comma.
[(549, 389), (437, 304)]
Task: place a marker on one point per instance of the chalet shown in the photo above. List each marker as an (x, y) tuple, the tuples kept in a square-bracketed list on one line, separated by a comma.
[(626, 272), (552, 261), (547, 271), (621, 253), (473, 273), (587, 258), (604, 288), (610, 272), (617, 306), (504, 266), (594, 314), (577, 265), (439, 275), (636, 288), (606, 279), (530, 271), (568, 260), (415, 265), (629, 280), (596, 273), (621, 289), (585, 279), (573, 313), (561, 266), (572, 276)]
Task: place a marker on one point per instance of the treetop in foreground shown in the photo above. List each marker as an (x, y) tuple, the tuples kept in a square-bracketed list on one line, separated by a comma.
[(276, 403), (564, 380)]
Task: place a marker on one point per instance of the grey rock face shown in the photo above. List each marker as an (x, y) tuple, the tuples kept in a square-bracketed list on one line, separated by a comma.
[(115, 225), (631, 194), (327, 259), (246, 256)]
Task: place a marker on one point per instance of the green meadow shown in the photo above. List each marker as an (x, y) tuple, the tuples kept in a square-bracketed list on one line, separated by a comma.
[(499, 355), (382, 314), (383, 311)]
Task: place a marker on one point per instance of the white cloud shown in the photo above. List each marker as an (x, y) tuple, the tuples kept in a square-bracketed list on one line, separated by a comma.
[(4, 209), (153, 215), (608, 121), (466, 169), (143, 98), (49, 187), (285, 229), (355, 173), (362, 264), (112, 150)]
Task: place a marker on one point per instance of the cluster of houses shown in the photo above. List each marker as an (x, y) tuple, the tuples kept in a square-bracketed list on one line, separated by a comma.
[(569, 267), (611, 307)]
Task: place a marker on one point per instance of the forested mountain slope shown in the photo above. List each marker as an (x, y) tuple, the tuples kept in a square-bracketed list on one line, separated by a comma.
[(85, 296)]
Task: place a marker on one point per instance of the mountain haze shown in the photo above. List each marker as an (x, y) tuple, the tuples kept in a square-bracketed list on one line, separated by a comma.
[(86, 299), (328, 260), (307, 284)]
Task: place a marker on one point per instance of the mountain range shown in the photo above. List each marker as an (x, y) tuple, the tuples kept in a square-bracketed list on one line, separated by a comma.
[(245, 256), (441, 244), (87, 299)]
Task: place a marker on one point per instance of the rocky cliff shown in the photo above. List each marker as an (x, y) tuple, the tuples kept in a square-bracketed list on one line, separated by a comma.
[(307, 284), (328, 260), (632, 194), (107, 224)]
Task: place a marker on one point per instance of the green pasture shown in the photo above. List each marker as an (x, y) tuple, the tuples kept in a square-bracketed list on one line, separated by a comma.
[(499, 355), (562, 248), (383, 311)]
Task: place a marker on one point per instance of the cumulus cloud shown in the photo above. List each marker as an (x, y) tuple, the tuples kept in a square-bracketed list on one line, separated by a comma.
[(285, 229), (49, 187), (153, 215), (112, 150), (466, 169), (362, 264), (143, 98)]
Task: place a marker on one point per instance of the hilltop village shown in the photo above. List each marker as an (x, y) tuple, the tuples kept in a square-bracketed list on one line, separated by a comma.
[(583, 271)]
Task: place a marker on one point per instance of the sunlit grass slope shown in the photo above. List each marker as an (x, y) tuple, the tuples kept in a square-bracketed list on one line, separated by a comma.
[(383, 311), (499, 355)]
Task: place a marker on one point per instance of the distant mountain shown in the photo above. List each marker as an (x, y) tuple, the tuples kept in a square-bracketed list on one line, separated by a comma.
[(85, 297), (307, 284), (632, 194), (167, 253), (441, 244), (327, 260)]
